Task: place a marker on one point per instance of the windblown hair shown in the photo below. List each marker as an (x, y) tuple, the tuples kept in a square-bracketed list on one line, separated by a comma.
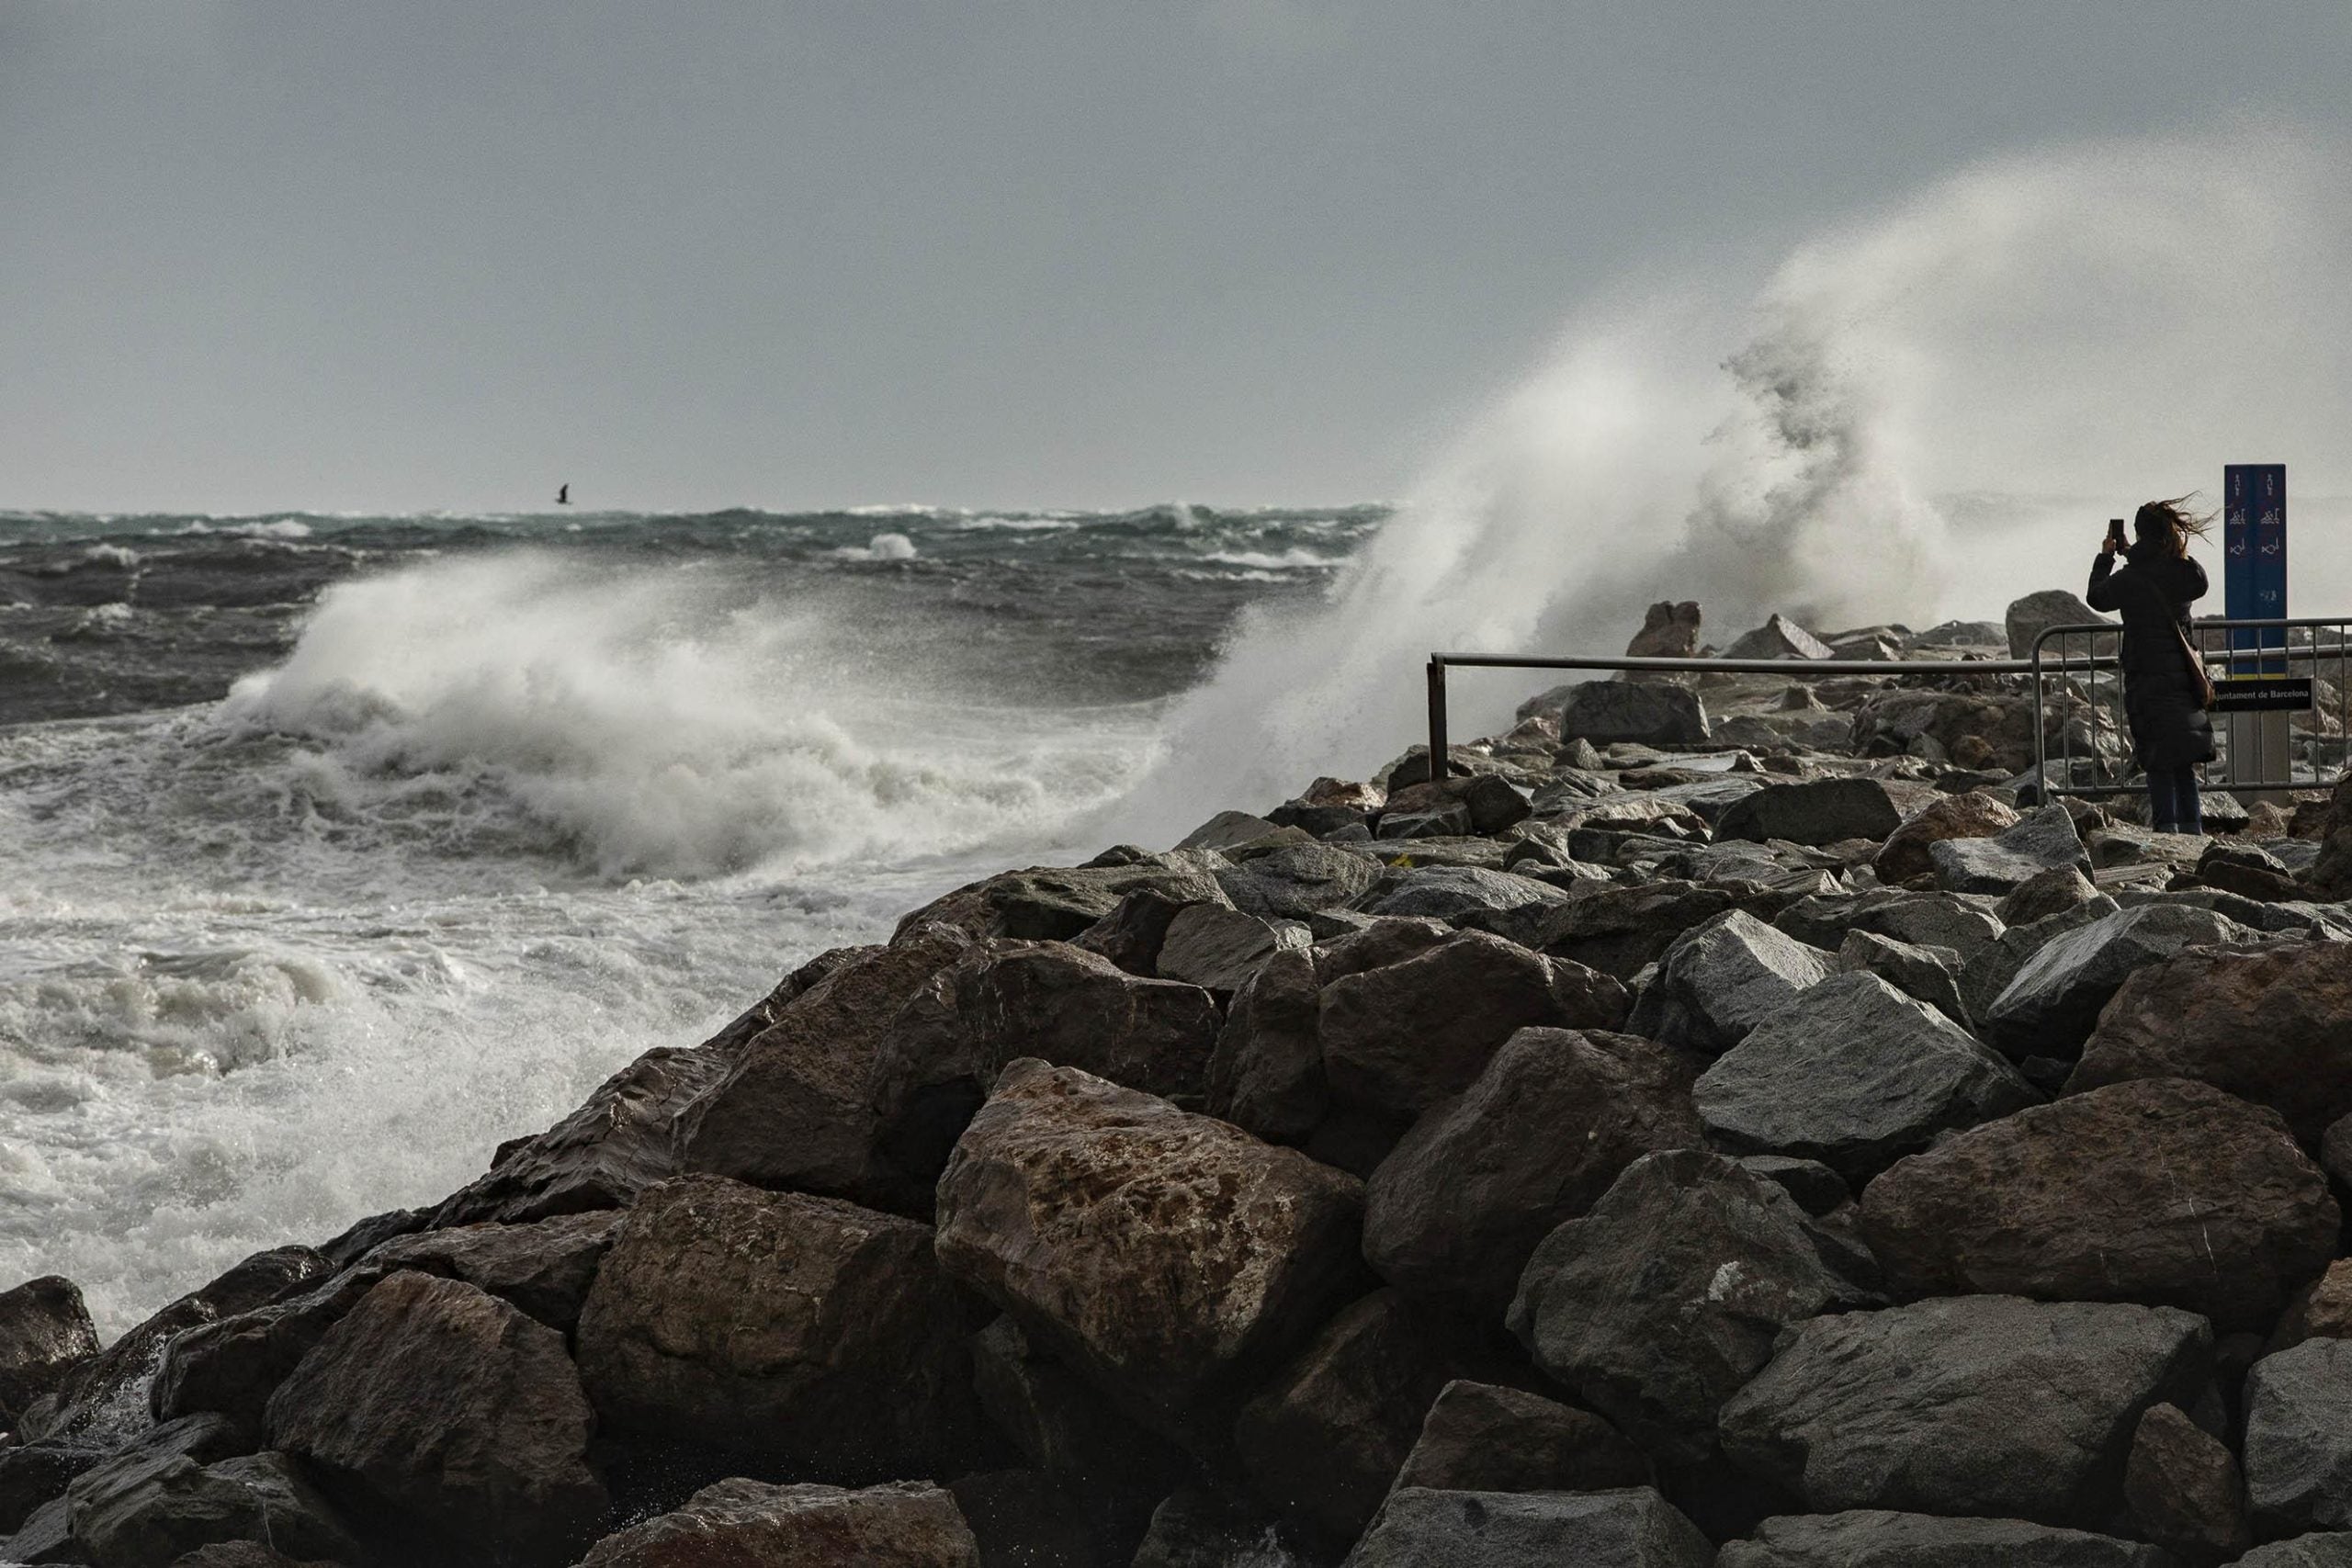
[(2163, 527)]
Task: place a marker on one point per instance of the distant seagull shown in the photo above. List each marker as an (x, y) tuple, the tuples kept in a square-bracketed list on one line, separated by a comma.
[(563, 495)]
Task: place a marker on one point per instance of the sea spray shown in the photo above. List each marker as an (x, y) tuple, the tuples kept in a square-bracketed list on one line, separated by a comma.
[(1922, 413)]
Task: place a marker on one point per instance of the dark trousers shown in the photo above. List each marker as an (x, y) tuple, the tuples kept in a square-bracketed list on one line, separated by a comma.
[(2173, 804)]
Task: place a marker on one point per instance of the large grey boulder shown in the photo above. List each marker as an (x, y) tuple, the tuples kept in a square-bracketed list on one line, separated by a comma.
[(2299, 1439), (437, 1406), (1401, 1037), (1651, 713), (2028, 618), (1480, 1436), (1296, 881), (2053, 1003), (1218, 949), (1171, 1258), (1930, 974), (1989, 1406), (909, 1524), (1987, 971), (2160, 1190), (1689, 1238), (1620, 930), (1629, 1528), (1723, 978), (2273, 1026), (1453, 892), (2044, 841), (1856, 1075), (1054, 904), (45, 1333), (1923, 919), (1778, 638), (799, 1329), (1875, 1537), (1455, 1210), (1820, 811)]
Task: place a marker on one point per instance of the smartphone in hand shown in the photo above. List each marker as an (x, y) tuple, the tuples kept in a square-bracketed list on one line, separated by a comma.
[(2115, 533)]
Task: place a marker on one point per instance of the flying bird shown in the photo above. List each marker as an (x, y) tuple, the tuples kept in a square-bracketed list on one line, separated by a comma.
[(563, 494)]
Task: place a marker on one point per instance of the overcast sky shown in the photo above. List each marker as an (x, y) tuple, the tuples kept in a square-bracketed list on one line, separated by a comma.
[(438, 254)]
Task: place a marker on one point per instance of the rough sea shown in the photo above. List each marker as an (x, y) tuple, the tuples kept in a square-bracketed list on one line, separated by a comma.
[(335, 850)]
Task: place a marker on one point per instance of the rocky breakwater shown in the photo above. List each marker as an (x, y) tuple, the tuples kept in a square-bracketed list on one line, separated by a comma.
[(1730, 1122)]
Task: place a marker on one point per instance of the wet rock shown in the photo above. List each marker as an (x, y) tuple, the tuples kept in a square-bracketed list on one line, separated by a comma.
[(1872, 1537), (2162, 1191), (2299, 1439), (908, 1524), (1450, 891), (1131, 934), (1454, 1212), (2052, 1004), (2273, 1026), (437, 1404), (803, 1330), (2047, 892), (2183, 1489), (33, 1473), (1930, 974), (1969, 816), (600, 1156), (544, 1269), (144, 1510), (1218, 949), (1400, 1038), (1653, 713), (1779, 638), (1721, 978), (1856, 1075), (1325, 1439), (1966, 1405), (1049, 904), (45, 1332), (1296, 881), (45, 1537), (1489, 803), (1266, 1074), (1689, 1238), (1633, 1528), (1171, 1258), (1821, 811), (2028, 618), (1482, 1438), (106, 1397), (2044, 841), (1193, 1529), (232, 1366)]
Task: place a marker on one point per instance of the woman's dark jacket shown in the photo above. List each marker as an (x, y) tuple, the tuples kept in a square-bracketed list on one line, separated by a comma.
[(2169, 727)]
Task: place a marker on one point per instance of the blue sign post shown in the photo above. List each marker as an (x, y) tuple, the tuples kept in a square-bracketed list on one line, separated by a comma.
[(2253, 585)]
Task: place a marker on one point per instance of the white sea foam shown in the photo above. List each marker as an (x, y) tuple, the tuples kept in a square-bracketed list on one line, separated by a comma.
[(882, 546), (2113, 321)]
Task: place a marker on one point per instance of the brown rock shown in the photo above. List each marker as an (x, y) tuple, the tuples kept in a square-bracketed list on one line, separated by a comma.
[(1454, 1212), (1482, 1438), (2273, 1026), (1169, 1258), (108, 1392), (1670, 630), (544, 1269), (1324, 1440), (1401, 1038), (2321, 1309), (2184, 1490), (1969, 816), (1050, 904), (2162, 1191), (2046, 893), (750, 1524), (798, 1330), (436, 1405), (45, 1332), (2331, 875), (1620, 930), (600, 1156)]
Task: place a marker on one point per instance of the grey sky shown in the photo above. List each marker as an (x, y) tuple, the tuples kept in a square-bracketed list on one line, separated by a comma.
[(266, 253)]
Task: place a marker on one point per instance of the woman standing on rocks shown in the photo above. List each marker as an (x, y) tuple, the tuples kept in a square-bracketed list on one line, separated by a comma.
[(2164, 687)]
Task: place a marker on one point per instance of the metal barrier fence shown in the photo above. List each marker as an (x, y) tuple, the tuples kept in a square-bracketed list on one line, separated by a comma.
[(2275, 648), (2259, 751)]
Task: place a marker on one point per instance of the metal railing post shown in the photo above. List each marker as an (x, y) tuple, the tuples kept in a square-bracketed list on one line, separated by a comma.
[(1439, 755)]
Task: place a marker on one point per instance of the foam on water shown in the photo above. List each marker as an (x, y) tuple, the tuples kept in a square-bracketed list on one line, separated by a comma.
[(2087, 328)]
